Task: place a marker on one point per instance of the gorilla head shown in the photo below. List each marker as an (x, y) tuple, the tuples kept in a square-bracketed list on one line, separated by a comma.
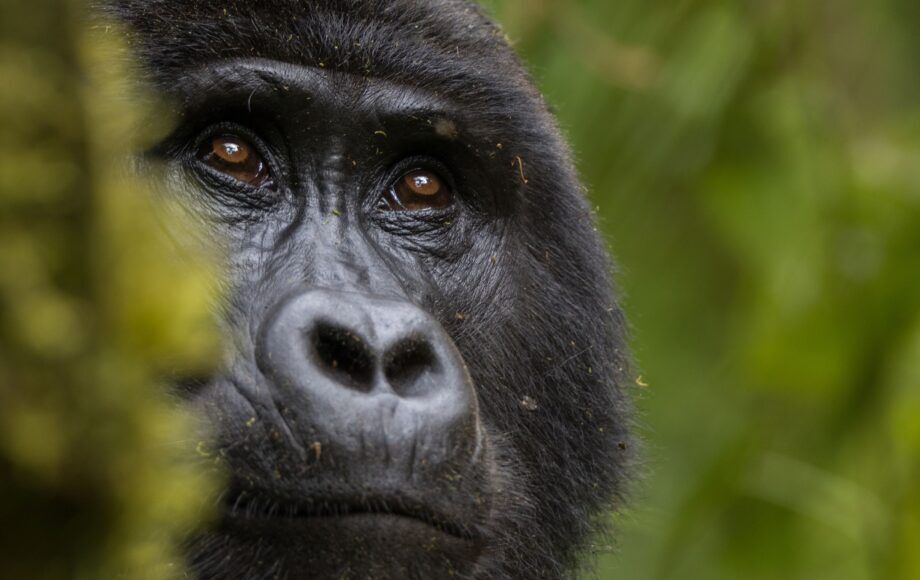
[(424, 356)]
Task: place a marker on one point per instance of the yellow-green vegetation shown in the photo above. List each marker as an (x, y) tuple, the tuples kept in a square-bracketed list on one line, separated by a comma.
[(96, 306), (757, 170)]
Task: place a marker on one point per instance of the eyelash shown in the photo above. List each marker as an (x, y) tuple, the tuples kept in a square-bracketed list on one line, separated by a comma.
[(258, 144), (417, 162)]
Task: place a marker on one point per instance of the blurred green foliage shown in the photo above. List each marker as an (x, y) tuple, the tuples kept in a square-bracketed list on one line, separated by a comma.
[(97, 471), (756, 167)]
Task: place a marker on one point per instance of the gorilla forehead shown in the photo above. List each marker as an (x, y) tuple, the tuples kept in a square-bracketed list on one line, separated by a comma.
[(441, 44), (447, 48)]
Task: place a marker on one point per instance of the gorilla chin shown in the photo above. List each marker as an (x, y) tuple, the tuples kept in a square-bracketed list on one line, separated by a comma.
[(424, 364), (363, 541)]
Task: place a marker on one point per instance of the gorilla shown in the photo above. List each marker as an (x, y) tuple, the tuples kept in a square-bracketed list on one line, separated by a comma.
[(425, 363)]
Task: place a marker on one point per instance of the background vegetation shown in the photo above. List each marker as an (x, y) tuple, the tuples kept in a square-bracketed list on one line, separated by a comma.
[(756, 167), (98, 472)]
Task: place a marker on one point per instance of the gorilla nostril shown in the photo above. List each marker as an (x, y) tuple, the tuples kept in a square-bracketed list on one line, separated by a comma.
[(343, 356), (407, 365)]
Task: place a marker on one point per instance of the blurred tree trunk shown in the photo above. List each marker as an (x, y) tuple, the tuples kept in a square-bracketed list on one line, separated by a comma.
[(92, 481)]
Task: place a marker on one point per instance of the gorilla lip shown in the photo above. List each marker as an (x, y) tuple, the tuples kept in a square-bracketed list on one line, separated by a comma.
[(253, 505)]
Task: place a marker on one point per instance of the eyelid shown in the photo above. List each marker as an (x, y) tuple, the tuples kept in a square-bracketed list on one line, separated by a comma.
[(421, 163), (391, 199), (259, 146)]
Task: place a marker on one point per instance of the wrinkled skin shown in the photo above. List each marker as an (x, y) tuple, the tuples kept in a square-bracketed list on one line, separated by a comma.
[(410, 391)]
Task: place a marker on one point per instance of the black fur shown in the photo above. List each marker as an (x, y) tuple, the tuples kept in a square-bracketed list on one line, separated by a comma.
[(521, 285)]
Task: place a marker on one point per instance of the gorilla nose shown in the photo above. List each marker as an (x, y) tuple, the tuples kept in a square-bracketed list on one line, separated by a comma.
[(369, 375), (409, 366)]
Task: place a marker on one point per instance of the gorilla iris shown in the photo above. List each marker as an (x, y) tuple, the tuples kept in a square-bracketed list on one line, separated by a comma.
[(425, 358)]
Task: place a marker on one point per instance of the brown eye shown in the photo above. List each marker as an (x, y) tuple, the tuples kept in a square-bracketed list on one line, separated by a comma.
[(419, 189), (237, 158)]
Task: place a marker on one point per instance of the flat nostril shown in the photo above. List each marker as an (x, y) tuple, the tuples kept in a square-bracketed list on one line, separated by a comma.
[(343, 356), (408, 365)]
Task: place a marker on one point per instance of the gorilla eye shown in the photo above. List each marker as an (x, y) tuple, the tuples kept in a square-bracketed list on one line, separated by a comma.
[(235, 157), (419, 189)]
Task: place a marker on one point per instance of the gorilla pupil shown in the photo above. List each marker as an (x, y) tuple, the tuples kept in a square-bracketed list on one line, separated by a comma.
[(420, 189), (423, 183), (234, 157), (231, 150)]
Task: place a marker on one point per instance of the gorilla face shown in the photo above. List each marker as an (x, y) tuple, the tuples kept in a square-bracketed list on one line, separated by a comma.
[(423, 353)]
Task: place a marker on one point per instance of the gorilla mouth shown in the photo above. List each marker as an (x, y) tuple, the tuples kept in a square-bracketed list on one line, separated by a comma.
[(253, 505)]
